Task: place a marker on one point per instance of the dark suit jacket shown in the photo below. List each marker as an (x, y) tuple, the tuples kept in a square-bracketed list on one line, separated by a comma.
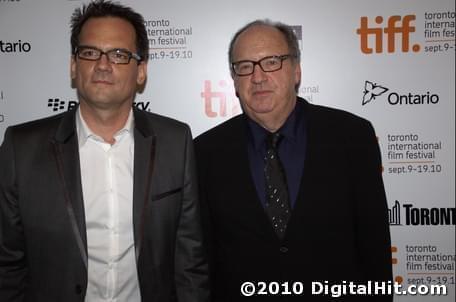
[(338, 230), (43, 250)]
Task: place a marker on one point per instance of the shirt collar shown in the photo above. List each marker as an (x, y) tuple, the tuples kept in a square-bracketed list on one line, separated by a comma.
[(84, 132), (289, 129)]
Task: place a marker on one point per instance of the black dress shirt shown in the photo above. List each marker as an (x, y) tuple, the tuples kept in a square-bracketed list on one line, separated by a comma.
[(291, 152)]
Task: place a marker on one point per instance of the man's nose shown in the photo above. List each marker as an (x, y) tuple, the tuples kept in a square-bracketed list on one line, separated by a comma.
[(103, 62), (258, 75)]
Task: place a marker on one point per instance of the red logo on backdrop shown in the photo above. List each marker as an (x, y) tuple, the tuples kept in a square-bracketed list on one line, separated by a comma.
[(218, 100)]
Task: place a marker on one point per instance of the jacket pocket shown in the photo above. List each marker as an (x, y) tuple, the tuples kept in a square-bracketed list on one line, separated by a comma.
[(156, 197)]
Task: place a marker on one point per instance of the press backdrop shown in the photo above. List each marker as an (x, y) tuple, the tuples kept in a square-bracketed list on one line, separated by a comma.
[(392, 62)]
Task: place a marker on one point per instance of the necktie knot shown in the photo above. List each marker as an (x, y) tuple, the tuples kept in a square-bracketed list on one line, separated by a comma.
[(273, 140)]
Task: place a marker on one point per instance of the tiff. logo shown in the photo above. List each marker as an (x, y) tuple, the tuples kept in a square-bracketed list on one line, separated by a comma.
[(227, 103), (397, 26)]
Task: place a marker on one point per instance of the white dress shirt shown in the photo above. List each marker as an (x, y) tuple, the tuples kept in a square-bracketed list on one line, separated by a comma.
[(107, 188)]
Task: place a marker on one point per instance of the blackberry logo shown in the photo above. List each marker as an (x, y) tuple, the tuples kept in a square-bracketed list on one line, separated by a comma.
[(56, 104), (142, 105)]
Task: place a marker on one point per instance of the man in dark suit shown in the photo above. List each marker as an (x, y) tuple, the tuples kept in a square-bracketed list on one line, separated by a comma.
[(291, 192), (100, 203)]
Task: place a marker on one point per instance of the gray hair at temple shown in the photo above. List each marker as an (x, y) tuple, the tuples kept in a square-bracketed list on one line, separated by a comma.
[(285, 29)]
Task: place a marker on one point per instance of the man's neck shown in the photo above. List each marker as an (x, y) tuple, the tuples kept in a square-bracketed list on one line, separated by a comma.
[(270, 126), (105, 123), (272, 123)]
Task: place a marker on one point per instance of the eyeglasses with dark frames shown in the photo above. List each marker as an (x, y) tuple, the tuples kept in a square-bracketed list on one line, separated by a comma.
[(267, 64), (115, 55)]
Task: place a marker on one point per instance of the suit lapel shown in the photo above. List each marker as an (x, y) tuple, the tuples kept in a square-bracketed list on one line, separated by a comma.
[(311, 163), (66, 153), (144, 155)]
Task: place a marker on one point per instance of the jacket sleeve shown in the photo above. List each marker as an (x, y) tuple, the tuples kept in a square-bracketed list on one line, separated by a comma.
[(13, 268), (372, 224), (202, 159), (191, 268)]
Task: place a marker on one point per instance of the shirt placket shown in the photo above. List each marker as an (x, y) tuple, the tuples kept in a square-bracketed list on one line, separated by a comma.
[(113, 224)]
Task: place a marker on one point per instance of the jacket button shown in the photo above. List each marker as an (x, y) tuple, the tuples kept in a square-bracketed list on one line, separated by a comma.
[(283, 249), (78, 289)]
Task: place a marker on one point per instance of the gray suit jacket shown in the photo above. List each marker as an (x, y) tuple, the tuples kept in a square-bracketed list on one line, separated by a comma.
[(43, 248)]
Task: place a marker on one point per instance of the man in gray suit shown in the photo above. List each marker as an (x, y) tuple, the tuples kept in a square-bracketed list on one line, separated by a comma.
[(100, 203)]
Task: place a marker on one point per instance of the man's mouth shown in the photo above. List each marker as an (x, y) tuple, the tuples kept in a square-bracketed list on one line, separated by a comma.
[(105, 82), (262, 92)]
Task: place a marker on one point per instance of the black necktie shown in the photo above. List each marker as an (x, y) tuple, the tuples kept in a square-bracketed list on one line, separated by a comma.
[(277, 199)]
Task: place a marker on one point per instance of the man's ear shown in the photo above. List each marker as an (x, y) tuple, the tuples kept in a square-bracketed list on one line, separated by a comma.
[(73, 67), (297, 74), (142, 73)]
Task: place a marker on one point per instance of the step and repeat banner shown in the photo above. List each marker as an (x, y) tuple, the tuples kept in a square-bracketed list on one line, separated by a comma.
[(392, 62)]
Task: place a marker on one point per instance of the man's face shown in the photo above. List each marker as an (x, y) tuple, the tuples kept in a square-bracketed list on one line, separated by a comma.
[(101, 84), (265, 96)]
